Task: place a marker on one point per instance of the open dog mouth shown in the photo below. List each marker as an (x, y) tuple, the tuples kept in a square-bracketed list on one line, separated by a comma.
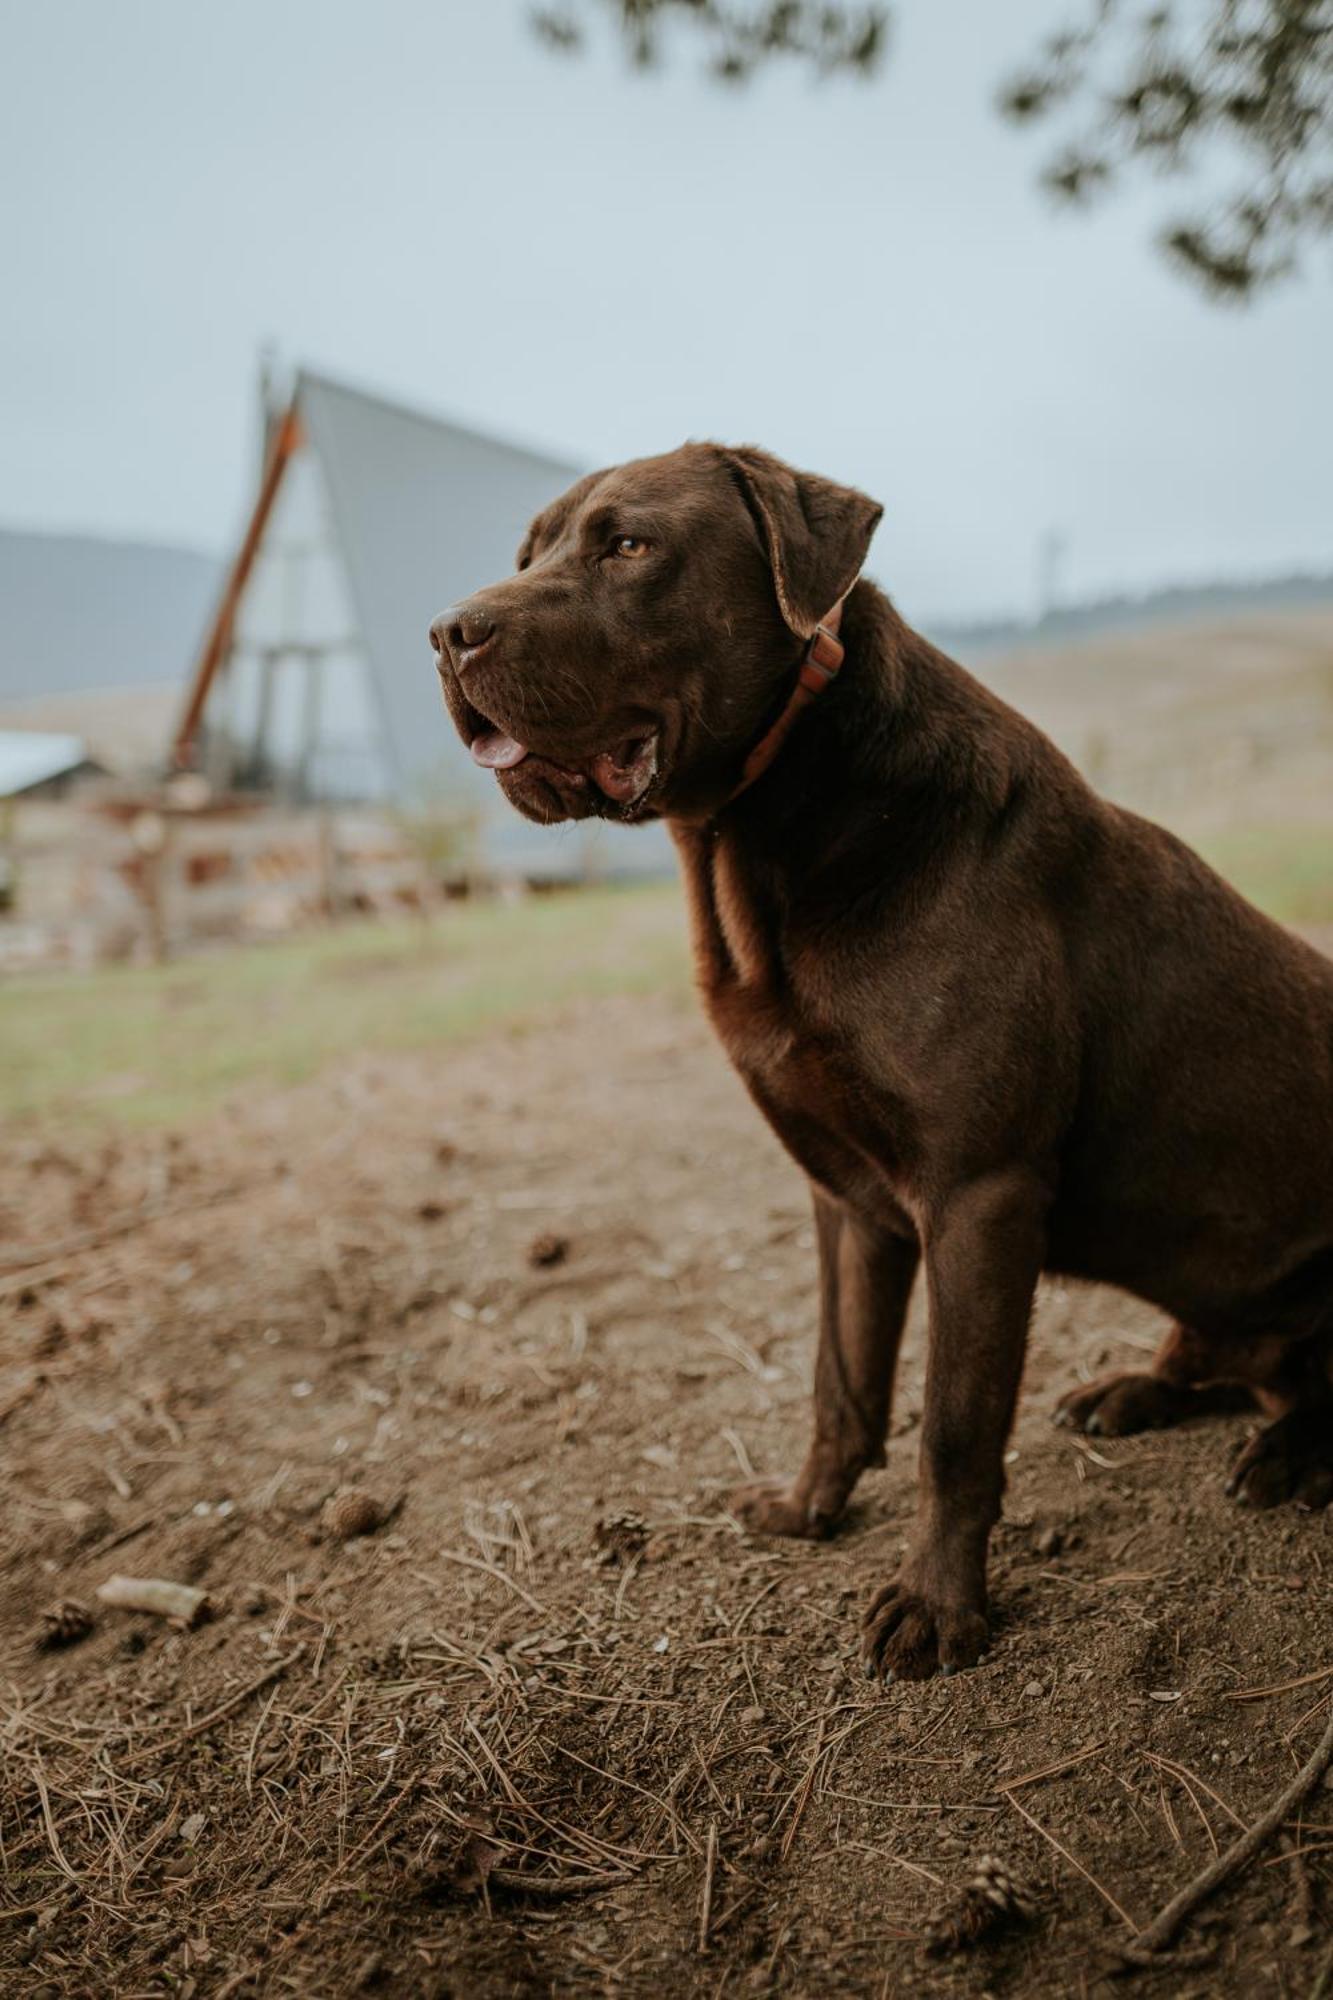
[(623, 774)]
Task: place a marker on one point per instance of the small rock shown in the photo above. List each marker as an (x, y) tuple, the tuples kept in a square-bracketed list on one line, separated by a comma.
[(350, 1512), (1035, 1690), (191, 1828)]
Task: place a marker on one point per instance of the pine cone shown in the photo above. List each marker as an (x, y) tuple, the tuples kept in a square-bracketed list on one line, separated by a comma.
[(619, 1538), (64, 1623), (989, 1902), (350, 1512)]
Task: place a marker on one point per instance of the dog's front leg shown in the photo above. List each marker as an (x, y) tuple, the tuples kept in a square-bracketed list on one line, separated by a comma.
[(983, 1257), (865, 1281)]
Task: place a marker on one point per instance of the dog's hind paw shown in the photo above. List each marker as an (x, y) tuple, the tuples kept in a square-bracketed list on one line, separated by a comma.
[(1291, 1459), (1116, 1405)]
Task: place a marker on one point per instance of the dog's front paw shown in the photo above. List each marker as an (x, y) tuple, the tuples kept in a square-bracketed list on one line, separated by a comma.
[(780, 1507), (907, 1635)]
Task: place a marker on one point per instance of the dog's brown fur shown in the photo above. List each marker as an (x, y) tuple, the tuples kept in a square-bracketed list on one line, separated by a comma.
[(1004, 1026)]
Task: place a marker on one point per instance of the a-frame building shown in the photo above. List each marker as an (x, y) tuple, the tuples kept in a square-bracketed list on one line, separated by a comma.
[(315, 680)]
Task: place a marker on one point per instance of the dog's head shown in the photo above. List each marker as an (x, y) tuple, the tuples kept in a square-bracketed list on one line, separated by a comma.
[(655, 623)]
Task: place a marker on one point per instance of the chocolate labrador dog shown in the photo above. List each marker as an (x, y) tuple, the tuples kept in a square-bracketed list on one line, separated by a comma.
[(1003, 1026)]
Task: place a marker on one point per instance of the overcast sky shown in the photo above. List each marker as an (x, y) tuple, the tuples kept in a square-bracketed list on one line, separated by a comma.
[(416, 195)]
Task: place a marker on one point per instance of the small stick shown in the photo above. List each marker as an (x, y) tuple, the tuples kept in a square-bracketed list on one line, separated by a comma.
[(27, 1256), (706, 1905), (803, 1792), (1105, 1894), (1168, 1921), (1277, 1687), (1052, 1770), (754, 1603), (500, 1576), (227, 1707), (154, 1594), (1323, 1985), (118, 1538), (557, 1885)]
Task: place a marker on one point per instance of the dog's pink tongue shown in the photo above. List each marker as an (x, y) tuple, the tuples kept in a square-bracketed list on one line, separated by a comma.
[(495, 751)]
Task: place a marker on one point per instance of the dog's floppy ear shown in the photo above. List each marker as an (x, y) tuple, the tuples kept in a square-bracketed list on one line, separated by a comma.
[(817, 533)]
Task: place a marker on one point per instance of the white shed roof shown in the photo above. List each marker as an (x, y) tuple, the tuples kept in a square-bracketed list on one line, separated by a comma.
[(31, 757)]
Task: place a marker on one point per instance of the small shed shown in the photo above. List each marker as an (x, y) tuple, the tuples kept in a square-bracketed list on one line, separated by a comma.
[(315, 681), (39, 764)]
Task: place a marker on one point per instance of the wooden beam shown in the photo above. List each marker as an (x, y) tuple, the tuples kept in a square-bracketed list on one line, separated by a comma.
[(288, 439)]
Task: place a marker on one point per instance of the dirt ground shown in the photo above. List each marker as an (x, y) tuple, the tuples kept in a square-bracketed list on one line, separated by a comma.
[(556, 1725)]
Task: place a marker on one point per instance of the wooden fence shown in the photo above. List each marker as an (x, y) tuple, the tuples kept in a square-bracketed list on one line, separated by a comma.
[(88, 885)]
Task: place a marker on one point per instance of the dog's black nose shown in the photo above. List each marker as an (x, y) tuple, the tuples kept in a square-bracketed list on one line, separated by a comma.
[(461, 627)]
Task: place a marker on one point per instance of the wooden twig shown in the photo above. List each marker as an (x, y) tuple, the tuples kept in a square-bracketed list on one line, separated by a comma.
[(499, 1575), (1323, 1985), (1051, 1770), (706, 1902), (1105, 1894), (227, 1707), (803, 1792), (154, 1594), (1278, 1687), (1168, 1921), (29, 1255), (519, 1881)]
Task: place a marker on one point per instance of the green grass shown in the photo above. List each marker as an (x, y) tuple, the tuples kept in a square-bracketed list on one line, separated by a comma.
[(1286, 870), (161, 1046), (152, 1046)]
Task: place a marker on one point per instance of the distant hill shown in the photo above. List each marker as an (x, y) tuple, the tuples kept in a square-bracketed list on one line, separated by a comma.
[(80, 614), (1175, 604)]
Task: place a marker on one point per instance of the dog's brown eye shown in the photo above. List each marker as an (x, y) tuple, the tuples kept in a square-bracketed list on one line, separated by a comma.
[(629, 546)]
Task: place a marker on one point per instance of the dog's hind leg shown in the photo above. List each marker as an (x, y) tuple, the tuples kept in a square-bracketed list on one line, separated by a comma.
[(1291, 1459), (865, 1281), (1175, 1389)]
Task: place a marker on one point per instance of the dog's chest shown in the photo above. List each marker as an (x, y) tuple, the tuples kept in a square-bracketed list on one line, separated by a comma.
[(773, 1020)]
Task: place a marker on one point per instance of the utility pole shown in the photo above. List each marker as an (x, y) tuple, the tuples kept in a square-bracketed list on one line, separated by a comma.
[(1051, 553)]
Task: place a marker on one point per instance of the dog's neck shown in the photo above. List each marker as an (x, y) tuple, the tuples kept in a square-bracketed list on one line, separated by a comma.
[(902, 731), (821, 663)]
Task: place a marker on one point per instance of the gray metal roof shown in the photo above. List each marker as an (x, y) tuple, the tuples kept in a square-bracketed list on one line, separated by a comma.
[(80, 613), (426, 512)]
